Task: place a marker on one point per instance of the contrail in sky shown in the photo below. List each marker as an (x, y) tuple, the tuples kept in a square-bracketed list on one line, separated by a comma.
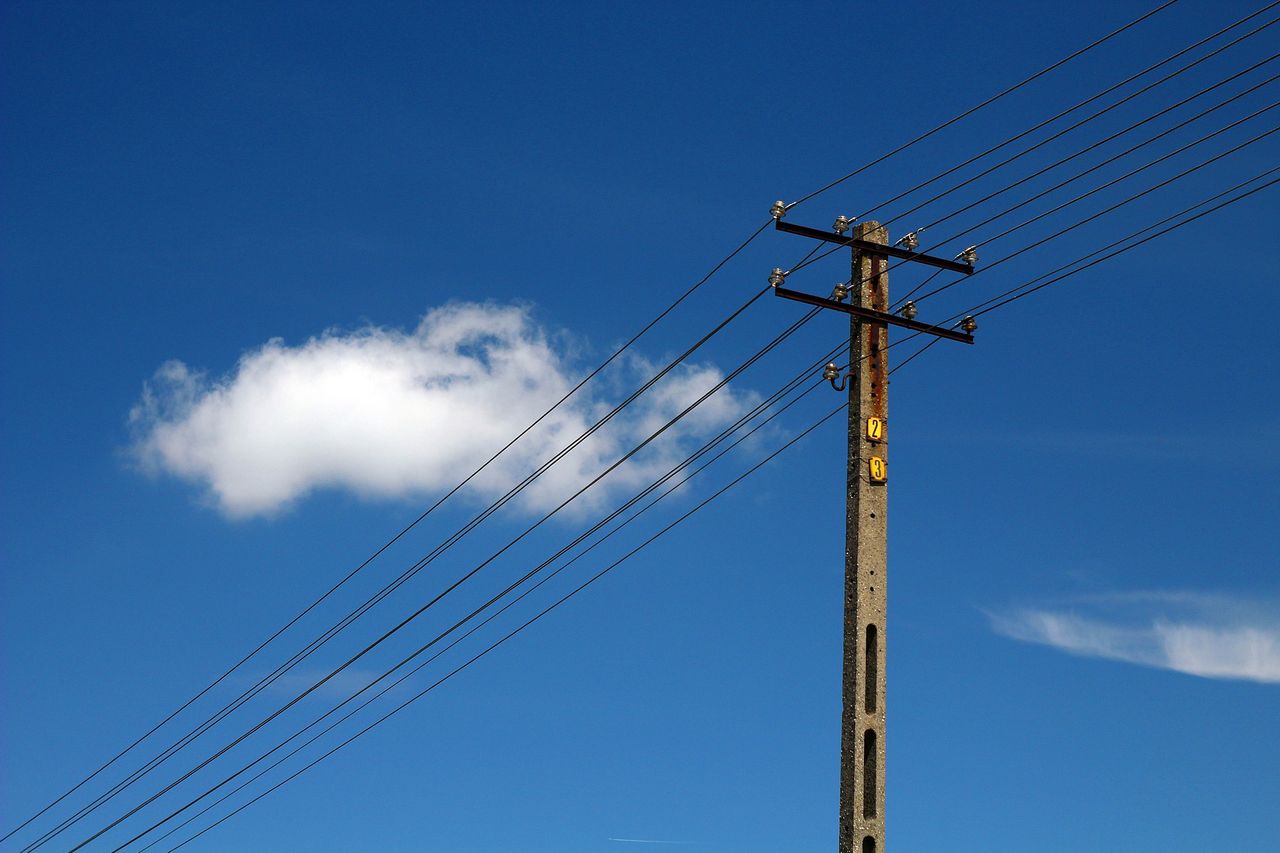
[(648, 841)]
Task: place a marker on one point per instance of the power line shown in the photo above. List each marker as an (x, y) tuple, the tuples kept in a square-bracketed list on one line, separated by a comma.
[(786, 388), (527, 623), (226, 710), (1119, 204), (985, 103), (316, 643), (732, 375), (319, 641), (1090, 192), (903, 364), (1128, 237), (436, 684), (1094, 145), (309, 608), (674, 472), (591, 375), (930, 277), (975, 310), (253, 691), (920, 351), (1273, 57), (1174, 227), (586, 379), (1130, 173), (231, 707), (1086, 102)]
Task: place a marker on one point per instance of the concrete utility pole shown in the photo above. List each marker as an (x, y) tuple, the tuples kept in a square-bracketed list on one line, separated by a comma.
[(866, 508), (862, 736)]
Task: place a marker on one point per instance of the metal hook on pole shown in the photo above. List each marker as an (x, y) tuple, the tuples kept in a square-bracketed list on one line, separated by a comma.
[(831, 373)]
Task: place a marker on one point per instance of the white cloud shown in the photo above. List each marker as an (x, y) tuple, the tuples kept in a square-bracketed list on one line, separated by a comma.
[(392, 414), (1212, 636)]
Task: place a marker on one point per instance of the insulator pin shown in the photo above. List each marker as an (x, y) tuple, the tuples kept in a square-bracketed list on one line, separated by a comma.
[(779, 209), (909, 311), (969, 325), (777, 277), (842, 224)]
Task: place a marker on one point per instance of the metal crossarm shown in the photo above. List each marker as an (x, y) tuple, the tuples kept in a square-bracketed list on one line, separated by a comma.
[(874, 316), (876, 248)]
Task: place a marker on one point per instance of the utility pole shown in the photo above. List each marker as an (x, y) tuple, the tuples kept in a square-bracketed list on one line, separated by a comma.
[(862, 736), (866, 526)]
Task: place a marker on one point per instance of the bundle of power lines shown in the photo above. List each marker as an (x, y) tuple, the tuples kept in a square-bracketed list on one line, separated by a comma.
[(148, 795)]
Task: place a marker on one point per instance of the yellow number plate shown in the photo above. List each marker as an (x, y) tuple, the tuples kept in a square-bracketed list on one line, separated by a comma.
[(875, 429), (876, 469)]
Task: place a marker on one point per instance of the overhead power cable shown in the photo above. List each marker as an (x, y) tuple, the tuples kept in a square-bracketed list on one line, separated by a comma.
[(991, 100), (398, 536), (1125, 153), (497, 613), (531, 426), (903, 299), (1126, 238), (1091, 147), (407, 620), (901, 365), (227, 709), (1091, 192), (1046, 122), (1015, 296), (792, 441), (1128, 200), (1078, 176), (204, 691), (673, 473), (1105, 253), (387, 590)]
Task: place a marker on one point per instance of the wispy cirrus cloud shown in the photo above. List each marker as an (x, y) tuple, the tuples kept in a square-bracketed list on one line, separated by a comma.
[(1206, 635), (386, 413)]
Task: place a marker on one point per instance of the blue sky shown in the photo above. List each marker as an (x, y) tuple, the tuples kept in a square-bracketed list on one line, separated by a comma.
[(1084, 605)]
